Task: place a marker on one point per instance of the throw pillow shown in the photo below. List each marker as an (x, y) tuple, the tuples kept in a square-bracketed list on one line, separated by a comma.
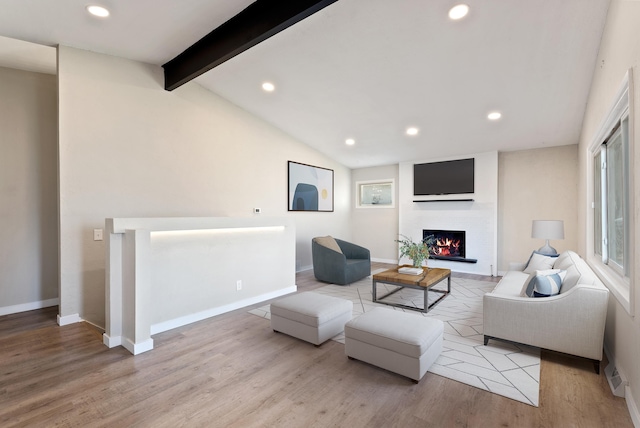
[(329, 242), (544, 283), (539, 261)]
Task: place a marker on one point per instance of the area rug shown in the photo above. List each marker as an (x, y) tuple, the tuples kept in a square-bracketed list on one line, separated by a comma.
[(506, 369)]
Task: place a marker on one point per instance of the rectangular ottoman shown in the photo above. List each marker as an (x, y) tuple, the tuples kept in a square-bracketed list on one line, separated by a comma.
[(310, 316), (403, 343)]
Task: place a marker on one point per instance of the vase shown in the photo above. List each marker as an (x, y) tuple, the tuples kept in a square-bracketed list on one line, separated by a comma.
[(417, 263)]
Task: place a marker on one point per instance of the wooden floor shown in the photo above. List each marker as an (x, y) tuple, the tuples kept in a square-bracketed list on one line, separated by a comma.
[(233, 371)]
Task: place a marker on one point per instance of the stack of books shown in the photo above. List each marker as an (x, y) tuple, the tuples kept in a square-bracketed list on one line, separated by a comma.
[(410, 270)]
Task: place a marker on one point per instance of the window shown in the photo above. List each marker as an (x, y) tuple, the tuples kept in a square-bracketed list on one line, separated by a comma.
[(611, 194), (375, 194), (612, 244)]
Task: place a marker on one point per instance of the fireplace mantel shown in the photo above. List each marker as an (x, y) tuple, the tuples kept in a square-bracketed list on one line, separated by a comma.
[(444, 200), (454, 259)]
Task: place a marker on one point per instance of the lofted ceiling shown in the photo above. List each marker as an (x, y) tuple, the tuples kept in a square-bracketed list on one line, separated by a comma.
[(368, 69)]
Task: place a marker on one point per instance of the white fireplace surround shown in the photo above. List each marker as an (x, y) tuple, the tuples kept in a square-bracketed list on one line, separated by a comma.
[(478, 217)]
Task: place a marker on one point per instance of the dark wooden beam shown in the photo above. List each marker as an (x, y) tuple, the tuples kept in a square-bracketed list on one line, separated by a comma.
[(261, 20)]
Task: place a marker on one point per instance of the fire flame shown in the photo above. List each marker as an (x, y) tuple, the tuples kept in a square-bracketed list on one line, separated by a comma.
[(445, 247)]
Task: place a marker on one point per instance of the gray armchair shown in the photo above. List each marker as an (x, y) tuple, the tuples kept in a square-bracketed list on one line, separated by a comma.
[(339, 262)]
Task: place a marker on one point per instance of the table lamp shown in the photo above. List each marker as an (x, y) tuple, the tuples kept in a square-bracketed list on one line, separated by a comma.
[(547, 229)]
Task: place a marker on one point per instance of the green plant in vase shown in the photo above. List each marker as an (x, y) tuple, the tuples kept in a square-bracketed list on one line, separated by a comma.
[(418, 252)]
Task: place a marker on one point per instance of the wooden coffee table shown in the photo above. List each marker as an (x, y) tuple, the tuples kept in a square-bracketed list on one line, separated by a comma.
[(425, 281)]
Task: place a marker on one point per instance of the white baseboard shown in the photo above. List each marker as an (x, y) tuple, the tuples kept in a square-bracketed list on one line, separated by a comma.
[(111, 342), (138, 348), (304, 268), (628, 396), (199, 316), (99, 327), (631, 405), (390, 261), (24, 307), (68, 319)]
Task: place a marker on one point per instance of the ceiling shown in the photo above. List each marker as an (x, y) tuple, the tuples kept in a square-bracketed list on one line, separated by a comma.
[(368, 69)]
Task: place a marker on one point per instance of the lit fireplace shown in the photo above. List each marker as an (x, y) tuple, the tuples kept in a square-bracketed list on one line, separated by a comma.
[(449, 244)]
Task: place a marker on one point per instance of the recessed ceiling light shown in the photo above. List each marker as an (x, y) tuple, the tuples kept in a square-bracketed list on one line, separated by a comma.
[(268, 86), (98, 11), (459, 11), (349, 141), (412, 131), (494, 115)]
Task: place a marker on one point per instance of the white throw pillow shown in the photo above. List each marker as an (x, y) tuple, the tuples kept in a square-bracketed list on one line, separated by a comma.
[(539, 261)]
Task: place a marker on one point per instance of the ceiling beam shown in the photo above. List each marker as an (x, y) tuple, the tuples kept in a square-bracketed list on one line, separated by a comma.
[(259, 21)]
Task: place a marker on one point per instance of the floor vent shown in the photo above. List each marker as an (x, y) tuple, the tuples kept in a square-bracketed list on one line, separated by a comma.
[(616, 381)]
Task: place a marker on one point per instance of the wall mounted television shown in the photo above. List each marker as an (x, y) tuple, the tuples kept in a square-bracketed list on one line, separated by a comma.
[(444, 178)]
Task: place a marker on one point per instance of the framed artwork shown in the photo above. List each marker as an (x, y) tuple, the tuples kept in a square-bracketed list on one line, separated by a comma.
[(310, 188), (375, 194)]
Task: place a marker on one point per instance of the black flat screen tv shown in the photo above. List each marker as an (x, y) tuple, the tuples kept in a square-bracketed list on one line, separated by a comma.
[(444, 178)]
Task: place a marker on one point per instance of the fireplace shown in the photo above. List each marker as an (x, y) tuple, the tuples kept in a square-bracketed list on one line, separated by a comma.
[(449, 245)]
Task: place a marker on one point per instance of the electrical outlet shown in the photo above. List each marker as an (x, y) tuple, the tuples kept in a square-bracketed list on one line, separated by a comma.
[(97, 234), (257, 210), (239, 285)]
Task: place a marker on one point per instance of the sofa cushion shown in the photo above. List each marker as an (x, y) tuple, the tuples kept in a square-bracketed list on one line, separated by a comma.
[(571, 278), (328, 242), (511, 283), (577, 270), (539, 261), (563, 261), (544, 283)]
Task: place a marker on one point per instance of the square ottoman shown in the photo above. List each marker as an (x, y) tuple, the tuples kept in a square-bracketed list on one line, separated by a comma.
[(403, 343), (310, 316)]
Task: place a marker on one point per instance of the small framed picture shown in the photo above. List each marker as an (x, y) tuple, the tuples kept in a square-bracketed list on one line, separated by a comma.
[(375, 194)]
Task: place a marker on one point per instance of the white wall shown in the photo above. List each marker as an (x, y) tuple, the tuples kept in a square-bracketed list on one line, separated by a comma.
[(128, 148), (477, 218), (619, 51), (259, 252), (539, 184), (28, 203), (376, 228)]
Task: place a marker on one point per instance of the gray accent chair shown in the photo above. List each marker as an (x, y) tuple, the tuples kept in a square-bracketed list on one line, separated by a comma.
[(341, 264)]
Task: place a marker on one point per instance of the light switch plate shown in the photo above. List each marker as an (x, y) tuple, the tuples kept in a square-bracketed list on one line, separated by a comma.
[(97, 235)]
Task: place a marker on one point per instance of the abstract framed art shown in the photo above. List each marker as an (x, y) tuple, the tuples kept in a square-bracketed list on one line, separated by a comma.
[(310, 188)]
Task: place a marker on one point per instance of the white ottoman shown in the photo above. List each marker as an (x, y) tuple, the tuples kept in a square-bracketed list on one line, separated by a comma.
[(403, 343), (310, 316)]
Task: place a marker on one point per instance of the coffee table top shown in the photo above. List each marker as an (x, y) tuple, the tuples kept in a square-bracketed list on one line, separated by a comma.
[(429, 277), (434, 276)]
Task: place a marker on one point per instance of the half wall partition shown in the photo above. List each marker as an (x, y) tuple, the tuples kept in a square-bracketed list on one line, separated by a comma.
[(163, 273)]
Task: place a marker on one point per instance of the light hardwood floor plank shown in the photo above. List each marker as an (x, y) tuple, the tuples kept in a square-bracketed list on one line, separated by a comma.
[(234, 371)]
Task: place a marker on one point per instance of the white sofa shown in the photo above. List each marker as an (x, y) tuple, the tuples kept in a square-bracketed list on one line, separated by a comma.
[(571, 322)]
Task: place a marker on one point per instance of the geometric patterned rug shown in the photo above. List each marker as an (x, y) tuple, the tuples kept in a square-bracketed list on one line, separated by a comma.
[(506, 369)]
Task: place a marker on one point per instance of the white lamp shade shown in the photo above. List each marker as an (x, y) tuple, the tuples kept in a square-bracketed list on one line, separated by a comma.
[(547, 229)]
